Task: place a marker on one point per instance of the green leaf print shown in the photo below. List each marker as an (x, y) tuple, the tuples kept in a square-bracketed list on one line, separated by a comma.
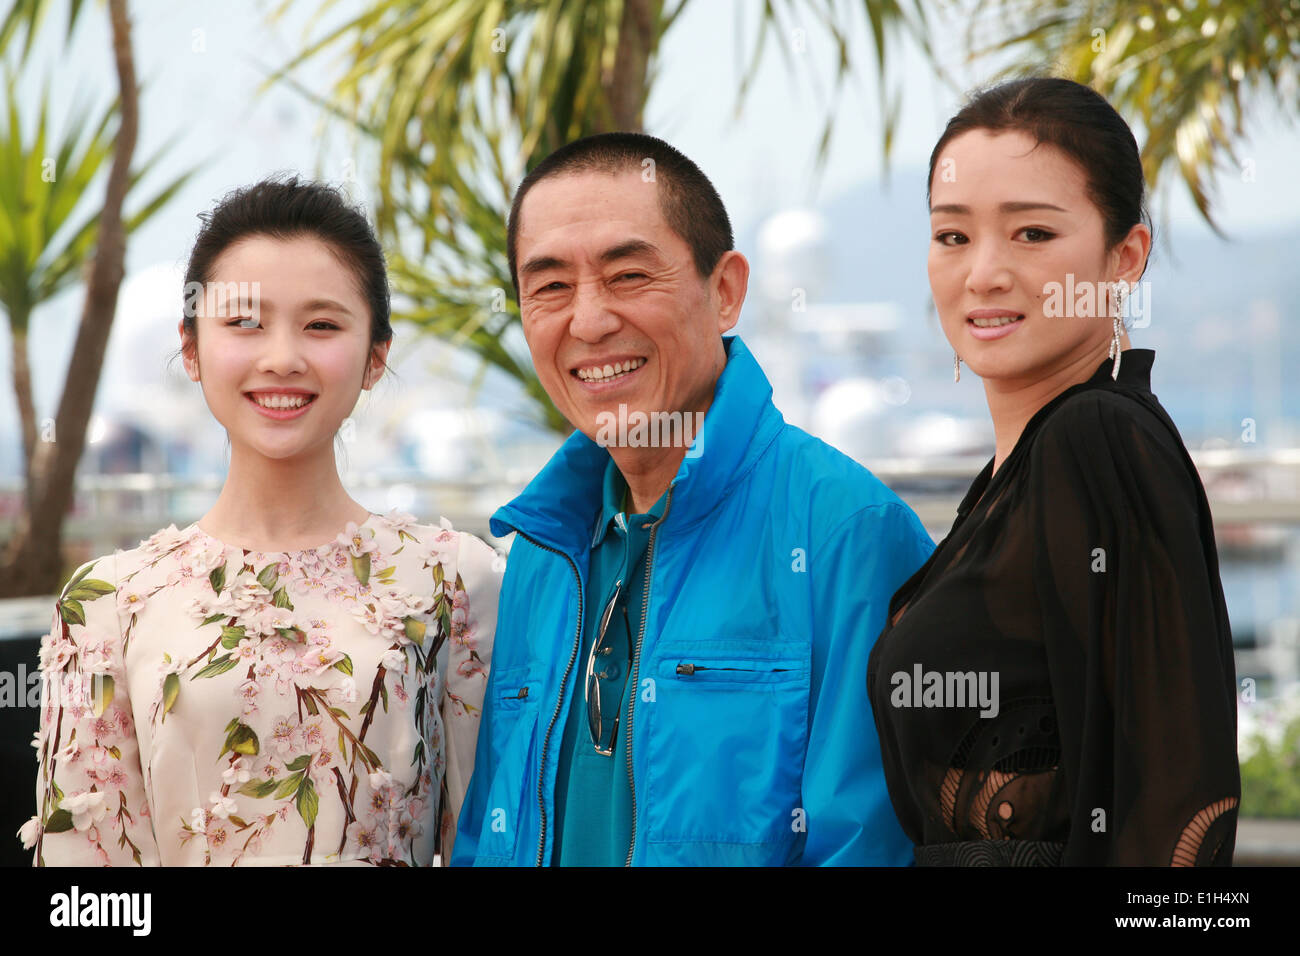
[(222, 664), (361, 568), (259, 788), (415, 630), (287, 786), (76, 578), (268, 576), (171, 690), (241, 739), (90, 589), (101, 694), (72, 612), (308, 802), (60, 821)]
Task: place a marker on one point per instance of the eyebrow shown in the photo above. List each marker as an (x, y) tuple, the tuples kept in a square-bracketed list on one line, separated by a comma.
[(329, 305), (315, 305), (623, 250), (633, 247), (960, 210)]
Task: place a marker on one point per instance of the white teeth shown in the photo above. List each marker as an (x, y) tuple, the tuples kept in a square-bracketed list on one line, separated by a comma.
[(996, 322), (280, 401), (599, 373)]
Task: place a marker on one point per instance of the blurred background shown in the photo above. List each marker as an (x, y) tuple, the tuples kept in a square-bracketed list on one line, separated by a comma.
[(814, 118)]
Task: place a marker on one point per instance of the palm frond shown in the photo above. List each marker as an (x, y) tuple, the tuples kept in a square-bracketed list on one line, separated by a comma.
[(1182, 71)]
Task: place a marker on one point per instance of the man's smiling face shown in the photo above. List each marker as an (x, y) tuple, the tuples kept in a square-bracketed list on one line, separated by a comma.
[(614, 310)]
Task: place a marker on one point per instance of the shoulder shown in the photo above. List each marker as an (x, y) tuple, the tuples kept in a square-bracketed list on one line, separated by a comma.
[(1103, 428), (115, 581), (1110, 451), (834, 489), (458, 552), (113, 567), (85, 617), (90, 575)]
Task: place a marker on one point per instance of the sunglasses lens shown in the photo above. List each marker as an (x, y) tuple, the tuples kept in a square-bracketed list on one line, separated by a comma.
[(607, 674), (593, 709)]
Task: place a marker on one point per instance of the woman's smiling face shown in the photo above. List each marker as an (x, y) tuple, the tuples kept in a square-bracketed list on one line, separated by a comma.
[(283, 345), (1009, 217)]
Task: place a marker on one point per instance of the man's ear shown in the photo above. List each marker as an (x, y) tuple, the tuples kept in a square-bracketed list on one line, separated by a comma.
[(729, 282), (189, 352), (378, 363)]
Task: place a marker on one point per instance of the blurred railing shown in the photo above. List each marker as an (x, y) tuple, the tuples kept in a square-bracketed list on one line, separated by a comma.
[(1244, 487)]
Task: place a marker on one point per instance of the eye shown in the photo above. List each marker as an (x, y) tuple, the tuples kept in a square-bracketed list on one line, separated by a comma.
[(632, 275), (1035, 234), (950, 238), (245, 322), (325, 322)]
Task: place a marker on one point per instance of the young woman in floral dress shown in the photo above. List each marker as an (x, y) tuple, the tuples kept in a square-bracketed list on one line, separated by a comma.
[(291, 679)]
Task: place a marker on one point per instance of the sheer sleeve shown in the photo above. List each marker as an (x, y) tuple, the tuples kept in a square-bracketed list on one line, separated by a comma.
[(91, 805), (479, 571), (1137, 637)]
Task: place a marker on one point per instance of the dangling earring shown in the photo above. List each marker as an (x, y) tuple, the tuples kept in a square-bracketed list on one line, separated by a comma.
[(956, 366), (1116, 325)]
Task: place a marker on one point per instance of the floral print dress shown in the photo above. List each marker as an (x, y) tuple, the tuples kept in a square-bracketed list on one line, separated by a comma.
[(205, 704)]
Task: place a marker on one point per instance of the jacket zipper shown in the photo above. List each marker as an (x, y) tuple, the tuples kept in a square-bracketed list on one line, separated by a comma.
[(636, 664), (559, 704)]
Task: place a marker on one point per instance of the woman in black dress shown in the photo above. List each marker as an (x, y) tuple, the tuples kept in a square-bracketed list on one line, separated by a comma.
[(1056, 684)]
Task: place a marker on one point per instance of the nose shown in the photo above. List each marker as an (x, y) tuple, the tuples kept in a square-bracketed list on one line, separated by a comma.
[(988, 269), (282, 353), (592, 319)]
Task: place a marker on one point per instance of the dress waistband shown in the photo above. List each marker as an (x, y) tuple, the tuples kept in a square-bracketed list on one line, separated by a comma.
[(991, 853)]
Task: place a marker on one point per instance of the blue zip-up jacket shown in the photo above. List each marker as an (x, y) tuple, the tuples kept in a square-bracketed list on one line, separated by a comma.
[(750, 738)]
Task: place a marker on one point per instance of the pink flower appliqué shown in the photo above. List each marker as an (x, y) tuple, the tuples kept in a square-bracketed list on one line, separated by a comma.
[(357, 540)]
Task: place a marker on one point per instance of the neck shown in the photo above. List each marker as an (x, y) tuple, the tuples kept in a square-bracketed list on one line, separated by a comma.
[(648, 473), (1013, 402), (270, 504)]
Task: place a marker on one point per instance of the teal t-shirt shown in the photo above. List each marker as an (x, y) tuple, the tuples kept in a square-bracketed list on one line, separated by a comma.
[(593, 795)]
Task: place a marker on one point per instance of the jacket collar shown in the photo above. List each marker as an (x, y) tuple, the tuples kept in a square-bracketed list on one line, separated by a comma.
[(561, 505)]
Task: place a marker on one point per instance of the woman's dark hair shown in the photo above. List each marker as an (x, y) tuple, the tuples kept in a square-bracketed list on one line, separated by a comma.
[(283, 208), (1076, 120)]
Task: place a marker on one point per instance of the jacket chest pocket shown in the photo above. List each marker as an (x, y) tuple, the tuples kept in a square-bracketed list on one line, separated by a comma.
[(726, 730)]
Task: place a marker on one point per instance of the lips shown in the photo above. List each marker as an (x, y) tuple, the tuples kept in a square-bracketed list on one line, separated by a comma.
[(985, 324)]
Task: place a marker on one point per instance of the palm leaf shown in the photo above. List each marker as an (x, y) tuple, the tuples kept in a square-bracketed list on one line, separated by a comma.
[(48, 219)]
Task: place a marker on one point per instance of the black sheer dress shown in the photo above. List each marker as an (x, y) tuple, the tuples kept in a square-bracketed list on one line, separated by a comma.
[(1056, 684)]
